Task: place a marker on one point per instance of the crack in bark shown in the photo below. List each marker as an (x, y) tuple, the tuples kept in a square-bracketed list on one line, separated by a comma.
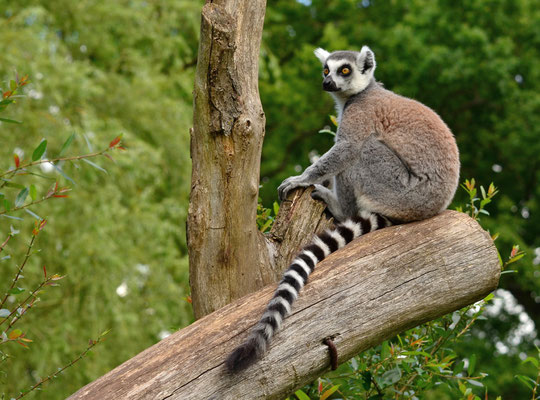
[(401, 284), (195, 378)]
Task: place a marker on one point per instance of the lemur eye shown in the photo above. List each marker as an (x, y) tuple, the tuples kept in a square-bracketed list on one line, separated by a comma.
[(345, 71), (326, 71)]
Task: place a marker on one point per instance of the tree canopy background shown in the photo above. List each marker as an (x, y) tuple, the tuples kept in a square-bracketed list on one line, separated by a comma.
[(100, 68)]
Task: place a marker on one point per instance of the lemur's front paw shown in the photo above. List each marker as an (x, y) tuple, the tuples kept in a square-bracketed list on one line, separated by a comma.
[(289, 184), (321, 193)]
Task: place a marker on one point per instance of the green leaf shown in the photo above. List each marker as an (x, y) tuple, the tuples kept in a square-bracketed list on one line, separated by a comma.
[(489, 297), (7, 205), (483, 192), (12, 85), (329, 392), (66, 144), (93, 164), (15, 185), (417, 353), (385, 350), (390, 377), (526, 380), (354, 364), (276, 207), (301, 395), (475, 383), (104, 333), (10, 121), (516, 258), (16, 290), (532, 360), (33, 192), (266, 225), (472, 364), (328, 131), (21, 197), (509, 271), (39, 151)]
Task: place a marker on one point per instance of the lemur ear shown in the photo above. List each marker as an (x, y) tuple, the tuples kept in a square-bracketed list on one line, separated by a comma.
[(321, 54), (366, 60)]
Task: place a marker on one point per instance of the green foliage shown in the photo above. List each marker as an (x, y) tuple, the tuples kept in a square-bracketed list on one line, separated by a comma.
[(17, 307), (266, 216), (96, 68)]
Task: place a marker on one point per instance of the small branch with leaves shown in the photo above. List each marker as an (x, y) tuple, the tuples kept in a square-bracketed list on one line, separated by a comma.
[(9, 96), (91, 344), (22, 168)]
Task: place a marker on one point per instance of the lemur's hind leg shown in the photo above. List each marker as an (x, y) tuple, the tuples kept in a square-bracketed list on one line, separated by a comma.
[(329, 198)]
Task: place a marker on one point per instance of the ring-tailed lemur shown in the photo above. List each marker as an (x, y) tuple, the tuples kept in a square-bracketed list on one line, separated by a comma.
[(394, 160)]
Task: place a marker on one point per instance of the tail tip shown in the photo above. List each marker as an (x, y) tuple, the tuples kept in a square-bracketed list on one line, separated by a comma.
[(242, 357)]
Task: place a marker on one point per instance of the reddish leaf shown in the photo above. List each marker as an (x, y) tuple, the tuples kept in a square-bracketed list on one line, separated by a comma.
[(23, 345), (14, 334), (45, 271), (320, 386), (515, 249), (115, 141), (60, 195), (121, 148), (188, 299), (6, 94), (109, 157), (17, 161)]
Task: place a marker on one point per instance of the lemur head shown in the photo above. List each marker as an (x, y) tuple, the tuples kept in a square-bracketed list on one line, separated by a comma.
[(346, 73)]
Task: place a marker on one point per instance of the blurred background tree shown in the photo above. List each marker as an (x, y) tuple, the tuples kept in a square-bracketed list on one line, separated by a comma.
[(100, 68)]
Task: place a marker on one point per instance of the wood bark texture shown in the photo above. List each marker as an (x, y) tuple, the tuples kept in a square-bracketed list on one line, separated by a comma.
[(228, 256), (375, 287), (225, 248)]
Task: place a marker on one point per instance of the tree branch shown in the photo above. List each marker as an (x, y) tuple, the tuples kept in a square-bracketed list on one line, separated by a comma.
[(375, 287)]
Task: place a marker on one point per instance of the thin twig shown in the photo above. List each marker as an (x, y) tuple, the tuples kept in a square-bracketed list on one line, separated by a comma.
[(26, 257), (5, 242), (52, 376), (72, 158), (22, 303)]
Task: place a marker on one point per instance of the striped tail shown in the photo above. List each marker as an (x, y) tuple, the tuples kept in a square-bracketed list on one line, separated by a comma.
[(294, 278)]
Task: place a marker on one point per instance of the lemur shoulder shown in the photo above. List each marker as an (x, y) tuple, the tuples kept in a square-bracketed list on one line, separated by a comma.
[(394, 160)]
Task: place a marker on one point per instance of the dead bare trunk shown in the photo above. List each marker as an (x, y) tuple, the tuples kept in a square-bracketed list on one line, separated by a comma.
[(226, 139), (228, 256)]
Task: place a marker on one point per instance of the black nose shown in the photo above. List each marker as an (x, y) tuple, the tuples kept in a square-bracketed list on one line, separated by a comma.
[(329, 85)]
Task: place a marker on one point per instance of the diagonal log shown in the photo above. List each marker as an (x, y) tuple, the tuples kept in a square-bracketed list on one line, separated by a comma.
[(377, 286)]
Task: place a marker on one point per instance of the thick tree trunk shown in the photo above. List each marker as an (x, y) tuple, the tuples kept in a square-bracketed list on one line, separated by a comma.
[(228, 256), (227, 253), (377, 286)]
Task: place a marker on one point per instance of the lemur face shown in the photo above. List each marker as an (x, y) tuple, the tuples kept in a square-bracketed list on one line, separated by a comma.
[(346, 73)]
